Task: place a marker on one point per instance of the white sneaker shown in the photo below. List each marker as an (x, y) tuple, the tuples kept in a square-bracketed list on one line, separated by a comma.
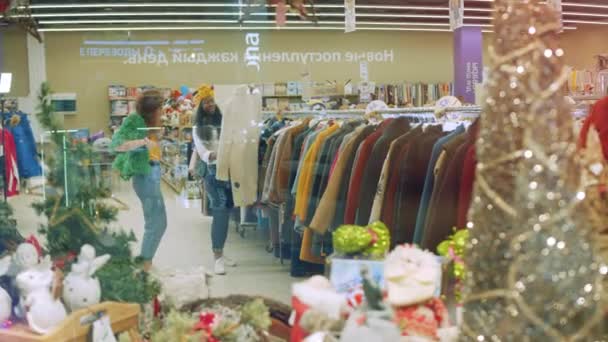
[(220, 267), (229, 262)]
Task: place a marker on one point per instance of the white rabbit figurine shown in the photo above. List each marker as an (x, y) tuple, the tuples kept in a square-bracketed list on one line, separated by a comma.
[(6, 304), (43, 312), (80, 288)]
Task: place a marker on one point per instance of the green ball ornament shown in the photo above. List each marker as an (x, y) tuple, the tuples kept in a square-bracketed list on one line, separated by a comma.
[(351, 239), (381, 240)]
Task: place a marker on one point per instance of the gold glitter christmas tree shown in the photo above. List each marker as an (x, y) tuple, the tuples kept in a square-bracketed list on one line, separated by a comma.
[(534, 271)]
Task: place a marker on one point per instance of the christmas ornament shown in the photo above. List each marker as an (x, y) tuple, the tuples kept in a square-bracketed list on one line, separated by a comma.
[(43, 312), (57, 219), (381, 240), (350, 239), (533, 271), (453, 249), (373, 240), (81, 288)]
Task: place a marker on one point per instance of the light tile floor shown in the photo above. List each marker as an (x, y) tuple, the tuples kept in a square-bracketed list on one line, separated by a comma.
[(187, 245)]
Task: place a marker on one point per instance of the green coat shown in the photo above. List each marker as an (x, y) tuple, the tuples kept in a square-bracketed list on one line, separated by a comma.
[(135, 162)]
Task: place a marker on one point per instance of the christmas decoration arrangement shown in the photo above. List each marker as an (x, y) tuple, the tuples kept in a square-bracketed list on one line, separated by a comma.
[(248, 323), (534, 272), (406, 308), (78, 214)]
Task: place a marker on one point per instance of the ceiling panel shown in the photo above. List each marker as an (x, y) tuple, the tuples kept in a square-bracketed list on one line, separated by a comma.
[(431, 15)]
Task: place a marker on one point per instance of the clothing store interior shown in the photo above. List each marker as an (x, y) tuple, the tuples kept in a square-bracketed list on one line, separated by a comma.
[(304, 170)]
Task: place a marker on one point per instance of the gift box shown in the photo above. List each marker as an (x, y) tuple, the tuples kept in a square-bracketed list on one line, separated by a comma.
[(345, 274)]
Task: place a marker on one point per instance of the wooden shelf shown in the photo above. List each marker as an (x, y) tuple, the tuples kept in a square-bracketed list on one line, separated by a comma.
[(124, 318), (282, 96)]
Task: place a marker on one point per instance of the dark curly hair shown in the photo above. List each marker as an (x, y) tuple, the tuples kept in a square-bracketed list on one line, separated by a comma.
[(148, 104)]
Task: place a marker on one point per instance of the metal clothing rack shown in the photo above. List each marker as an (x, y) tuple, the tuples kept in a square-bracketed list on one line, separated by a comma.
[(472, 111)]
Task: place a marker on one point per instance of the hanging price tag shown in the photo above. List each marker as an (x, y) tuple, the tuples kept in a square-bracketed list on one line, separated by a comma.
[(102, 330), (456, 14), (350, 16)]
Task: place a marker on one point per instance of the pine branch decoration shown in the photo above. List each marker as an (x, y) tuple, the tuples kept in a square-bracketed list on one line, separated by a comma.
[(534, 271)]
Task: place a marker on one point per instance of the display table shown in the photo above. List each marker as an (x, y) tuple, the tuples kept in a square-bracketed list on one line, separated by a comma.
[(76, 327)]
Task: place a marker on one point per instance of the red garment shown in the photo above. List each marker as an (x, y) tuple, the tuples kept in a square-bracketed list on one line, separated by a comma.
[(297, 333), (354, 188), (10, 165), (598, 117), (466, 186)]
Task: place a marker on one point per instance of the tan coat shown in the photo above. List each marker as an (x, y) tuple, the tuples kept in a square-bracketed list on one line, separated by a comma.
[(324, 214)]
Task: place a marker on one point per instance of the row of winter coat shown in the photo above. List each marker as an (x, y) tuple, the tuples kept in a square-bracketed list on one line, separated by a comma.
[(20, 153), (316, 175)]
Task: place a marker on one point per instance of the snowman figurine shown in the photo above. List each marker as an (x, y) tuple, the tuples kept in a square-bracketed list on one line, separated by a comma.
[(80, 288)]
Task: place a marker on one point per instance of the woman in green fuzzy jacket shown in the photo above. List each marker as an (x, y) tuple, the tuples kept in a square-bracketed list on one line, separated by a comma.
[(139, 153)]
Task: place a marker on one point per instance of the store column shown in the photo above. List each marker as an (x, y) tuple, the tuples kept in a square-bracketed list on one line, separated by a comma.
[(468, 62)]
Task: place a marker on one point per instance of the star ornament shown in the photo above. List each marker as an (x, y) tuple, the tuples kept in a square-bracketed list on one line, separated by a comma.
[(59, 216)]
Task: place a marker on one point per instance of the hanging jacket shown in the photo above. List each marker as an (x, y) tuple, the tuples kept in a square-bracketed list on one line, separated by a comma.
[(10, 164), (27, 155)]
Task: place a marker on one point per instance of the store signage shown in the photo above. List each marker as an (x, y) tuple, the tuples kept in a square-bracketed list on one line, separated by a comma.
[(350, 16), (456, 14), (165, 53), (468, 62), (252, 52)]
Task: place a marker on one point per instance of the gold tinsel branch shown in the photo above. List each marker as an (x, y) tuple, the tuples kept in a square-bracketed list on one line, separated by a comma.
[(534, 268)]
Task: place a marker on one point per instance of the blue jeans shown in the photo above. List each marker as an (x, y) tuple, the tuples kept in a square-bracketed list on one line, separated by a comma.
[(219, 194), (147, 188)]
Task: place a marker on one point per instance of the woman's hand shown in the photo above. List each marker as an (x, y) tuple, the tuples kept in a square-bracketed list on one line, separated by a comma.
[(212, 156), (149, 143)]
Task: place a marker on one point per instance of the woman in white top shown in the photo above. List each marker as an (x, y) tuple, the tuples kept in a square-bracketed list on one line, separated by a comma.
[(206, 133)]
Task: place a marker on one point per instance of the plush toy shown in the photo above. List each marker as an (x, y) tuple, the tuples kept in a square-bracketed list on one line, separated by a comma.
[(6, 303), (413, 277), (80, 287), (43, 312)]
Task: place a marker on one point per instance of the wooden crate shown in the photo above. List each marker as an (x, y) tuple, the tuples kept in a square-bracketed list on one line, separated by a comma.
[(124, 318)]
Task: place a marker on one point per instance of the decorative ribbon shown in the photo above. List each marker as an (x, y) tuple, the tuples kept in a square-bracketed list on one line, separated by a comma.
[(32, 239)]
